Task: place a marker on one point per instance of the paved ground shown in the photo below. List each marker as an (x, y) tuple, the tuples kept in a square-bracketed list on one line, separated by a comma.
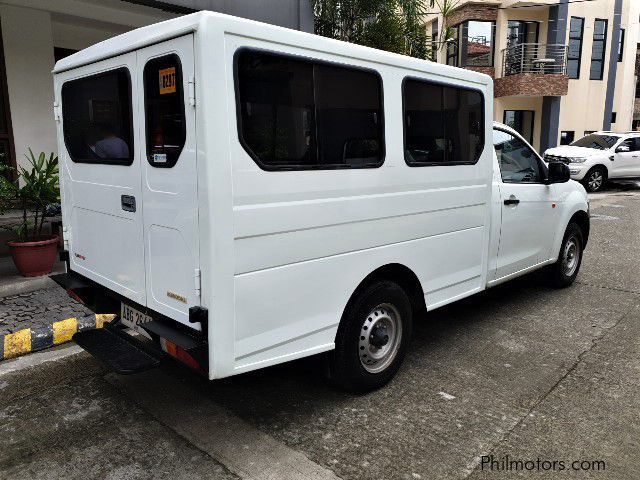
[(37, 309), (521, 370)]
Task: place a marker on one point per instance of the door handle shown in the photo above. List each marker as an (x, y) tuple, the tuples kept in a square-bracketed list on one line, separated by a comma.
[(512, 200), (128, 203)]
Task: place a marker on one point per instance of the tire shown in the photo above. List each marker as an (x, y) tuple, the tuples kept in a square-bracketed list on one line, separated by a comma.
[(564, 272), (372, 338), (595, 179)]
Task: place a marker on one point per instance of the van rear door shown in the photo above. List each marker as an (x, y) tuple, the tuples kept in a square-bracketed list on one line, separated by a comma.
[(169, 177), (102, 174)]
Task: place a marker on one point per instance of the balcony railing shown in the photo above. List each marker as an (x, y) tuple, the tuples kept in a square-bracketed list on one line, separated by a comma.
[(539, 58)]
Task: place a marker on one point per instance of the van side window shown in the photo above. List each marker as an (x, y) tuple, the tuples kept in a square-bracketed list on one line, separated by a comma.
[(296, 114), (443, 125), (164, 110), (518, 162), (97, 118)]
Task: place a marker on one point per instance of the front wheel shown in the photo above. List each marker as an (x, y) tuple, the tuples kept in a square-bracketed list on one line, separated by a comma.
[(564, 272), (372, 338), (595, 179)]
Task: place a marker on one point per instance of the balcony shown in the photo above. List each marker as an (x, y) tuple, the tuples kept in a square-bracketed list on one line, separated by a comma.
[(532, 70)]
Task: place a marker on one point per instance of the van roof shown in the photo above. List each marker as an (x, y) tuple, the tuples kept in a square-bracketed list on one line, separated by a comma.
[(159, 32), (132, 40)]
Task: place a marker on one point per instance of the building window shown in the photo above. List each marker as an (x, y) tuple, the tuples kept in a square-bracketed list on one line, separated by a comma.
[(434, 41), (621, 45), (442, 125), (522, 37), (97, 119), (165, 121), (598, 50), (521, 121), (297, 114), (472, 44), (614, 117), (520, 31), (574, 52), (452, 48), (566, 137)]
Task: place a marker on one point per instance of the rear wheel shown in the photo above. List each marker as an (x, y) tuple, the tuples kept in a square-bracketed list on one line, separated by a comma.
[(564, 272), (372, 338), (595, 179)]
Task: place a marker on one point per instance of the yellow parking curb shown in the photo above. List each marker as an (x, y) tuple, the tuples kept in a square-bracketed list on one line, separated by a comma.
[(18, 343), (64, 330), (33, 339)]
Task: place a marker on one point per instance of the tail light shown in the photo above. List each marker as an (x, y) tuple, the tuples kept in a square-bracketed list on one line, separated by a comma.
[(180, 354)]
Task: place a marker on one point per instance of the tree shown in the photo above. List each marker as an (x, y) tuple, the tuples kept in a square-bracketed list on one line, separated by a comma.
[(444, 9), (392, 25)]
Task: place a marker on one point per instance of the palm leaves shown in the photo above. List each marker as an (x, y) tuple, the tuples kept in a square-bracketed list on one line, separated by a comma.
[(392, 25), (36, 187)]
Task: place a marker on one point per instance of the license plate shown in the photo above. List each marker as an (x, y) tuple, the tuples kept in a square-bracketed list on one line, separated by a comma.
[(133, 318)]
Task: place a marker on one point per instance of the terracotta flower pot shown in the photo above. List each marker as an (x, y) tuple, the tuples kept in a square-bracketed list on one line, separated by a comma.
[(34, 258)]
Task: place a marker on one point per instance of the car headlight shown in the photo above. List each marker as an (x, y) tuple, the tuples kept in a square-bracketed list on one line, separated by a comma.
[(577, 159)]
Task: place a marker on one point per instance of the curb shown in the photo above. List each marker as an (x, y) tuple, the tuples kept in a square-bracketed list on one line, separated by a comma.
[(34, 339)]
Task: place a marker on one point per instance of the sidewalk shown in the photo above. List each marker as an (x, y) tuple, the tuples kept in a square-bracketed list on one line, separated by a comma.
[(12, 283), (35, 313)]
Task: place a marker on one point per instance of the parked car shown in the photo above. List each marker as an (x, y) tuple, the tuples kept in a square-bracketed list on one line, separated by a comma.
[(261, 195), (598, 157)]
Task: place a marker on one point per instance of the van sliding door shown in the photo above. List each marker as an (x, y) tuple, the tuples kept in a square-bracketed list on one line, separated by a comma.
[(169, 174)]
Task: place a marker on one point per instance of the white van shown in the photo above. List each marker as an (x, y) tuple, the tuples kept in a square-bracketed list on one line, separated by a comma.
[(252, 195)]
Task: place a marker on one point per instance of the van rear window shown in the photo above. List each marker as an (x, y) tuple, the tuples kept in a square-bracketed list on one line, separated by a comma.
[(299, 114), (164, 110), (97, 120), (443, 125)]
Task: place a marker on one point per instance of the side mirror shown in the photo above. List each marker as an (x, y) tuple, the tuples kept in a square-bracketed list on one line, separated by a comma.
[(623, 149), (558, 173)]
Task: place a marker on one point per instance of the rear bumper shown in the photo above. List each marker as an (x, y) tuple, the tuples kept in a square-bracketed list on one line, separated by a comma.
[(183, 343)]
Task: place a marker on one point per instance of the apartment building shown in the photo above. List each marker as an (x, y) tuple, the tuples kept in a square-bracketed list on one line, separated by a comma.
[(561, 68), (36, 33)]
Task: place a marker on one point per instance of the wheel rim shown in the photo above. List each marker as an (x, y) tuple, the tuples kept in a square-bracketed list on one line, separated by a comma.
[(570, 256), (595, 180), (380, 337)]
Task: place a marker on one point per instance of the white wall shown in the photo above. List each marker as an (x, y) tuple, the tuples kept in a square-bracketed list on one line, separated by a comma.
[(28, 51), (71, 34)]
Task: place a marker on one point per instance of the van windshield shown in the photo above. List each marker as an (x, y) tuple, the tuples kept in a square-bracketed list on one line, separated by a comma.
[(599, 142)]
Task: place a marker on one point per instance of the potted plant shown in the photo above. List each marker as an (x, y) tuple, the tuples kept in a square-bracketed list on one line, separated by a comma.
[(35, 188)]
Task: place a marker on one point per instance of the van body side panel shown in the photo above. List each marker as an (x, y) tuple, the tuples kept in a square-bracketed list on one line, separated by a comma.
[(215, 192), (304, 240)]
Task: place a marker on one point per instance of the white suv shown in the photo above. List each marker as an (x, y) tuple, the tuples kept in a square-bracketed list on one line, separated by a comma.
[(599, 156)]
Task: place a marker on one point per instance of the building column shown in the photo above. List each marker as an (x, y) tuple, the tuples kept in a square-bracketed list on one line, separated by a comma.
[(556, 34), (613, 66), (28, 51)]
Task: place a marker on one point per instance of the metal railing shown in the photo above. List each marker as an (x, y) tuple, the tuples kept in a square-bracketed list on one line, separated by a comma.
[(540, 58)]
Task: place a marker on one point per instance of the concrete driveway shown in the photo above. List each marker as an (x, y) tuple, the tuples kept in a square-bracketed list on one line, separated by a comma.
[(532, 376)]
